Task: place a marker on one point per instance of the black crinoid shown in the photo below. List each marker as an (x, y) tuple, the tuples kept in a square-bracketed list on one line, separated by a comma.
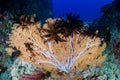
[(52, 34), (24, 20), (66, 26), (70, 24)]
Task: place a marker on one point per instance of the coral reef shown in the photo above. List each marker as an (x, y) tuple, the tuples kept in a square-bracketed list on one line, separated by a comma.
[(10, 67), (109, 70), (109, 23), (42, 9), (109, 26), (62, 48), (77, 51), (13, 70), (21, 68)]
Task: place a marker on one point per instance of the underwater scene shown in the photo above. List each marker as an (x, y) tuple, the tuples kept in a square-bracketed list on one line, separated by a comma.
[(59, 40)]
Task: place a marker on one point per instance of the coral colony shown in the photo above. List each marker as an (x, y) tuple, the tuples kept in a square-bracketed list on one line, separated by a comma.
[(60, 44), (64, 48)]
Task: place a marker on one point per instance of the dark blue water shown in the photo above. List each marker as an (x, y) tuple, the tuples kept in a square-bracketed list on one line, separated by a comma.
[(88, 9)]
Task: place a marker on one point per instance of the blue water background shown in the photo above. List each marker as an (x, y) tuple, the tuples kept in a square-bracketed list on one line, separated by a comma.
[(88, 9)]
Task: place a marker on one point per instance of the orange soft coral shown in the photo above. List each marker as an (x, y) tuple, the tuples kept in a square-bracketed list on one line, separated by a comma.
[(76, 51)]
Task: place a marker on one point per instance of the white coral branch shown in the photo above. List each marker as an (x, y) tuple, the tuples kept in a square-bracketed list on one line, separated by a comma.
[(52, 58), (84, 49)]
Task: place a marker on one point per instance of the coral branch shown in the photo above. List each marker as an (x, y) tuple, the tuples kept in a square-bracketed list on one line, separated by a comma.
[(84, 49)]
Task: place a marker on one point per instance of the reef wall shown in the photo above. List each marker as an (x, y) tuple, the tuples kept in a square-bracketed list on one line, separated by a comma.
[(109, 25), (42, 8)]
